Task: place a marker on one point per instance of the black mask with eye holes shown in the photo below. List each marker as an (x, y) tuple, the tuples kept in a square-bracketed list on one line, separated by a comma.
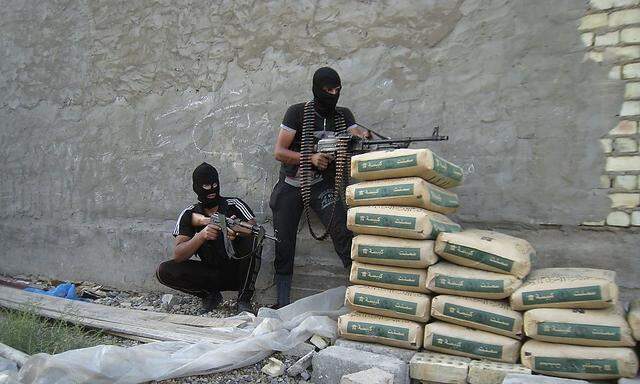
[(206, 174), (324, 102)]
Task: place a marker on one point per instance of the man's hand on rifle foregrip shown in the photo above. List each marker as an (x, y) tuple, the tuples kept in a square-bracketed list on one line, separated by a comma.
[(321, 160)]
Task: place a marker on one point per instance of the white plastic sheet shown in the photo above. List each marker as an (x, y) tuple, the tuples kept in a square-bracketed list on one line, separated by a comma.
[(272, 330)]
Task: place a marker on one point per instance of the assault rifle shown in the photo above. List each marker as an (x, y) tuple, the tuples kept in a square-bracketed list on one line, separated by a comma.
[(223, 222), (332, 143)]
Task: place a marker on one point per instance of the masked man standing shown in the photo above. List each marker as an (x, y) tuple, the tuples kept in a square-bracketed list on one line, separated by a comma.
[(286, 200), (228, 261)]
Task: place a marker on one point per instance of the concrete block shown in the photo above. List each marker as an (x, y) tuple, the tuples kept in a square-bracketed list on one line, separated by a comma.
[(625, 145), (623, 164), (489, 372), (399, 353), (517, 378), (631, 71), (619, 219), (596, 20), (615, 73), (330, 364), (635, 218), (587, 38), (606, 145), (370, 376), (625, 127), (439, 368), (301, 365), (632, 90), (630, 108), (630, 35), (273, 368), (625, 17), (626, 182), (611, 38), (624, 200)]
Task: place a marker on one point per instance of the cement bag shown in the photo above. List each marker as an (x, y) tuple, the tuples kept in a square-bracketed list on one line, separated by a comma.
[(405, 222), (461, 341), (405, 279), (485, 315), (634, 318), (407, 191), (406, 163), (566, 288), (393, 251), (487, 250), (388, 302), (578, 362), (383, 330), (594, 327), (453, 279)]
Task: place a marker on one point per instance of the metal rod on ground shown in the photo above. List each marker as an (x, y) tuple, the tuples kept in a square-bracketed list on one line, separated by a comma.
[(13, 354)]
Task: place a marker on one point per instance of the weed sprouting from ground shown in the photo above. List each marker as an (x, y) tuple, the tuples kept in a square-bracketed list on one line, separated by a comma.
[(24, 330)]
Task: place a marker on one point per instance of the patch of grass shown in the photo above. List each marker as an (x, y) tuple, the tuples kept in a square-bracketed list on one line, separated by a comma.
[(26, 331)]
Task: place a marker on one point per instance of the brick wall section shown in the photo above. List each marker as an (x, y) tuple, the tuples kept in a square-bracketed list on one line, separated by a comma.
[(610, 32)]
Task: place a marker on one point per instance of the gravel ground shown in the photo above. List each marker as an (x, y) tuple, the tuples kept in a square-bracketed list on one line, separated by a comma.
[(187, 305)]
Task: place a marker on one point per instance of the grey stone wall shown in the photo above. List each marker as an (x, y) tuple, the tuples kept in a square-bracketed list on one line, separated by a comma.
[(105, 108)]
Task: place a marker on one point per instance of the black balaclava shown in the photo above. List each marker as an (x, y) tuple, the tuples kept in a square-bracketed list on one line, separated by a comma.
[(325, 102), (206, 174)]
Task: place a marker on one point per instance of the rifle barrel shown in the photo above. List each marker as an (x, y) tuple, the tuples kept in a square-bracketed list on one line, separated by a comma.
[(406, 139)]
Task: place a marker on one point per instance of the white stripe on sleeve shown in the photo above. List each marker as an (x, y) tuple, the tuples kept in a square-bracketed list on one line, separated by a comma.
[(176, 229)]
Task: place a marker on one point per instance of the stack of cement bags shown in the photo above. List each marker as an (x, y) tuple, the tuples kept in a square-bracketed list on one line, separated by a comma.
[(482, 268), (578, 329), (397, 213)]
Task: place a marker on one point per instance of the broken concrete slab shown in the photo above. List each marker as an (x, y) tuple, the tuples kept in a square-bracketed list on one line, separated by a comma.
[(319, 341), (439, 368), (168, 301), (301, 365), (273, 368), (369, 376), (491, 372), (330, 364), (299, 350), (400, 353), (518, 378)]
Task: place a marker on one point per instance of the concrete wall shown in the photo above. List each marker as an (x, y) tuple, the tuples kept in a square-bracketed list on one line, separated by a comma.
[(105, 109)]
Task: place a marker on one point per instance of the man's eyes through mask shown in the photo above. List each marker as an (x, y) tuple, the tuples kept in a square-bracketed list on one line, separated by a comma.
[(209, 186)]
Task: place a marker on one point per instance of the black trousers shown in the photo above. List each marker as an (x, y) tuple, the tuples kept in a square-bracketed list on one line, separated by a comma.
[(286, 205), (200, 278)]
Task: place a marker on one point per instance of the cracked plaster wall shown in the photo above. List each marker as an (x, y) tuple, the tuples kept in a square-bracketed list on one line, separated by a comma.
[(106, 107)]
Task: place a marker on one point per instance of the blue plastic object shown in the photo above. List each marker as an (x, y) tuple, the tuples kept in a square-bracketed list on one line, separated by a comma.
[(64, 290)]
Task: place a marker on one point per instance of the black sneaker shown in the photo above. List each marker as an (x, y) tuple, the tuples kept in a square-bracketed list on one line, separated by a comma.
[(211, 302), (244, 306)]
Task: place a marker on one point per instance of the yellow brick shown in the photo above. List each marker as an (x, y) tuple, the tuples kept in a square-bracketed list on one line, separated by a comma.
[(632, 90), (630, 35), (619, 219), (625, 127), (610, 38), (625, 17), (597, 20), (623, 163), (624, 200)]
